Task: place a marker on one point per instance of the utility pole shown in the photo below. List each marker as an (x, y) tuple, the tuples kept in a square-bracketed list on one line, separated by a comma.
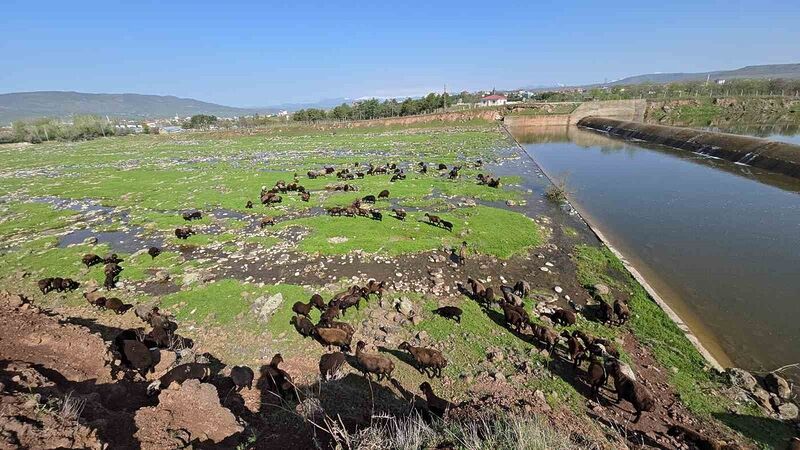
[(444, 97)]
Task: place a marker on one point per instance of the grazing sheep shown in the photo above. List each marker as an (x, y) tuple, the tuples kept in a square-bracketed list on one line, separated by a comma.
[(116, 305), (442, 166), (249, 205), (304, 309), (45, 285), (183, 233), (563, 317), (137, 355), (179, 374), (110, 281), (384, 194), (66, 284), (546, 336), (478, 289), (622, 311), (112, 259), (514, 319), (267, 222), (426, 359), (424, 168), (596, 376), (631, 390), (194, 215), (446, 225), (449, 312), (333, 337), (436, 405), (351, 300), (334, 211), (604, 311), (400, 213), (278, 380), (488, 296), (305, 196), (373, 363), (95, 298), (91, 259), (373, 287), (142, 311), (153, 252), (368, 199), (433, 219), (575, 348), (522, 288), (330, 364), (302, 325), (242, 376), (376, 215), (332, 312), (453, 173)]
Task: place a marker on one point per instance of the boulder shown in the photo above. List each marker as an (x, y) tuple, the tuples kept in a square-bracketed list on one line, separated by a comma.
[(264, 306), (601, 289), (404, 306), (777, 385), (742, 379), (186, 413), (788, 411)]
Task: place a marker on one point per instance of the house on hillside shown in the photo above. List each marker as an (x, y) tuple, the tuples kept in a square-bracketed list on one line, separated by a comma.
[(493, 100)]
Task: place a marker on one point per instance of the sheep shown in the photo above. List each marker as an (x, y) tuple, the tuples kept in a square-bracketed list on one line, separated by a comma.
[(334, 211), (605, 311), (116, 305), (333, 337), (373, 287), (450, 312), (478, 289), (436, 405), (67, 284), (522, 288), (45, 285), (95, 298), (267, 222), (546, 336), (137, 355), (305, 196), (442, 166), (368, 199), (344, 326), (434, 220), (194, 215), (446, 225), (426, 359), (351, 300), (153, 252), (302, 325), (622, 311), (575, 348), (249, 205), (488, 296), (453, 173), (110, 281), (462, 253), (373, 363), (514, 319), (423, 168), (242, 376), (631, 390), (330, 364), (183, 233), (376, 215), (596, 376), (112, 259), (383, 194), (563, 317), (304, 309), (91, 259), (400, 213), (142, 311), (332, 312), (179, 374)]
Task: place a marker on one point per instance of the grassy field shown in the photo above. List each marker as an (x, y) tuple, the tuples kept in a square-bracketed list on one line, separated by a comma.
[(129, 192)]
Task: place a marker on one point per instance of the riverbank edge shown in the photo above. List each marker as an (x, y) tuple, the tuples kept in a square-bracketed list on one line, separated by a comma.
[(777, 157), (633, 271)]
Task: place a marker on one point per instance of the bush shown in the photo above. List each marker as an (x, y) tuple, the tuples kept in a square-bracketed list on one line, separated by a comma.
[(557, 193), (48, 129)]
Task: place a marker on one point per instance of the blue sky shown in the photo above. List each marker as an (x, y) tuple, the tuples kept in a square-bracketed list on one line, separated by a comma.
[(261, 53)]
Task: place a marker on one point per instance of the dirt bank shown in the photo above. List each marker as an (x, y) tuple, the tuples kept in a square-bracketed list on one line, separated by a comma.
[(773, 156)]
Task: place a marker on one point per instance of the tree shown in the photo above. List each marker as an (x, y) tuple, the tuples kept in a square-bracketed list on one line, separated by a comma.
[(202, 121)]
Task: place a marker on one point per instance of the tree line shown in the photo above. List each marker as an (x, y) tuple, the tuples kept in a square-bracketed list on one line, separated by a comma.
[(50, 129)]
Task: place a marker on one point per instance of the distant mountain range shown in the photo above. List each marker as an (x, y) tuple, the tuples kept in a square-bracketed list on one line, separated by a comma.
[(768, 71), (25, 105)]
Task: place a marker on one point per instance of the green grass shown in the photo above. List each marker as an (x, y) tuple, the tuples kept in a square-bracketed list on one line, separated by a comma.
[(220, 303), (31, 218), (697, 385)]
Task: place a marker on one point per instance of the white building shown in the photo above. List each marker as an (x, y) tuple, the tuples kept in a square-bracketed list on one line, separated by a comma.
[(493, 100)]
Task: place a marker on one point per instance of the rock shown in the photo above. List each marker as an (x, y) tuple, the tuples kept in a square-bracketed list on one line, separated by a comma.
[(762, 397), (166, 359), (422, 335), (337, 240), (601, 289), (416, 319), (190, 278), (404, 306), (495, 355), (788, 411), (263, 307), (185, 413), (741, 378), (13, 300), (498, 376), (162, 276), (511, 203), (558, 289), (91, 240), (777, 385)]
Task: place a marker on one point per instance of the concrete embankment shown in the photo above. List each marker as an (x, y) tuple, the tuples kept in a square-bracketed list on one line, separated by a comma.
[(778, 157)]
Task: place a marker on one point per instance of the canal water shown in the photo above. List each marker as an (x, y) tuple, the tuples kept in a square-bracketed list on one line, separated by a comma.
[(720, 242)]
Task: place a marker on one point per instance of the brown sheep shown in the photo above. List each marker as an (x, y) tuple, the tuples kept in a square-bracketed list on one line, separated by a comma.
[(436, 405), (153, 252), (426, 359), (179, 374), (596, 376), (302, 325), (344, 326), (575, 348), (277, 379), (267, 222), (514, 319), (91, 259), (116, 305), (622, 311), (384, 194), (304, 309), (333, 337), (194, 215), (605, 311), (332, 312), (631, 390), (373, 287), (522, 288), (183, 233), (563, 317), (433, 219), (478, 289), (373, 363), (45, 285), (546, 336), (687, 435), (242, 376), (368, 199), (449, 312), (400, 213), (305, 196), (137, 355), (330, 364), (318, 302), (95, 298)]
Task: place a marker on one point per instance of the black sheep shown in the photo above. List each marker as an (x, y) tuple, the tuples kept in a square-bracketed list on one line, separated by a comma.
[(249, 205), (449, 312), (446, 225), (436, 405), (112, 259), (153, 252), (242, 376), (91, 259), (376, 215), (183, 233), (631, 390), (330, 364), (137, 355), (45, 285), (384, 194), (368, 199), (179, 374), (194, 215)]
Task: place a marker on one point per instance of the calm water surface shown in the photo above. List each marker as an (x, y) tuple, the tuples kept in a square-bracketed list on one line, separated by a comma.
[(719, 241)]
